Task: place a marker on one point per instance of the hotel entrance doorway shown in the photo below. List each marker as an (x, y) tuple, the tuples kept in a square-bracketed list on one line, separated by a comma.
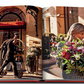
[(7, 30)]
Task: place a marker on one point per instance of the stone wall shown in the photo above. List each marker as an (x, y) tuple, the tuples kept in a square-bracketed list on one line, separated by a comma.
[(81, 15), (60, 20)]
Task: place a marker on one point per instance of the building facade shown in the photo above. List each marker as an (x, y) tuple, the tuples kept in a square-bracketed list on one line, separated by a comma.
[(58, 19)]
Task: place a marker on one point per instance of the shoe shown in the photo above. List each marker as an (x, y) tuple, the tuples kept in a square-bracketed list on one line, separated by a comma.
[(29, 73), (1, 76), (16, 77)]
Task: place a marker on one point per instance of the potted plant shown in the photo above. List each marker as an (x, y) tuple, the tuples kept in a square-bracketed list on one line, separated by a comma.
[(33, 51)]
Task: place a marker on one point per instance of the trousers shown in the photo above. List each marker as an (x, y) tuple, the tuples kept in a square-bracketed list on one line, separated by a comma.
[(14, 66)]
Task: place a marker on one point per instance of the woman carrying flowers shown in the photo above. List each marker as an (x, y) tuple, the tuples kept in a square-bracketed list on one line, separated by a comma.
[(76, 31), (71, 53)]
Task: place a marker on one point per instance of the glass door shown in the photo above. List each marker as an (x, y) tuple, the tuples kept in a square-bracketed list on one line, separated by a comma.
[(9, 33), (4, 35)]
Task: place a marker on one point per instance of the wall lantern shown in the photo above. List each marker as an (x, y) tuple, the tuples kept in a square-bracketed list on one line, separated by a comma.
[(70, 11)]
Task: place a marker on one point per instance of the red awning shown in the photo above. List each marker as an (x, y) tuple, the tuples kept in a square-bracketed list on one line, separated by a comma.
[(18, 23), (13, 25)]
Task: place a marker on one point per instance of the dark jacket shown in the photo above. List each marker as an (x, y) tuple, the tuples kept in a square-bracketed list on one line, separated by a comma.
[(8, 50)]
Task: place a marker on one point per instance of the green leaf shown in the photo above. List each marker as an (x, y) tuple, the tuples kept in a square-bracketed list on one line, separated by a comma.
[(59, 54), (57, 40), (65, 46), (66, 61), (82, 59), (72, 56), (79, 67), (81, 70), (74, 40), (76, 44), (52, 49), (67, 71), (62, 42), (46, 50), (79, 41), (69, 66)]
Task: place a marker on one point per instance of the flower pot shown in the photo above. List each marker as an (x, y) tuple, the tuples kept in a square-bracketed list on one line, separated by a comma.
[(32, 65)]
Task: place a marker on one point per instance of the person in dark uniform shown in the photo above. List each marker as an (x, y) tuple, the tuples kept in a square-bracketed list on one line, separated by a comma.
[(9, 55)]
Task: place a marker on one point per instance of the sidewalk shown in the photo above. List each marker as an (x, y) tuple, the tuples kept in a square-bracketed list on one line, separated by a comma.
[(48, 74), (26, 76), (48, 64)]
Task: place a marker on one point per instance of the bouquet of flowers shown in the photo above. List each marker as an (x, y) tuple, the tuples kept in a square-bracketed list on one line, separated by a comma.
[(59, 38), (72, 54)]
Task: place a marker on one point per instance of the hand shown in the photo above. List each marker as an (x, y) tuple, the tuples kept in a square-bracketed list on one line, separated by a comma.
[(22, 49), (19, 49)]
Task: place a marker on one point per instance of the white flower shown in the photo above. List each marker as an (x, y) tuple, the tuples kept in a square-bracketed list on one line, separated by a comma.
[(72, 61), (77, 57), (80, 47), (53, 44), (31, 53), (33, 49)]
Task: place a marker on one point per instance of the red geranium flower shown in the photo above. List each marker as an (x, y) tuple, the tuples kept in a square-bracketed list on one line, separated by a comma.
[(66, 55), (79, 50), (55, 43), (51, 42), (63, 53)]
